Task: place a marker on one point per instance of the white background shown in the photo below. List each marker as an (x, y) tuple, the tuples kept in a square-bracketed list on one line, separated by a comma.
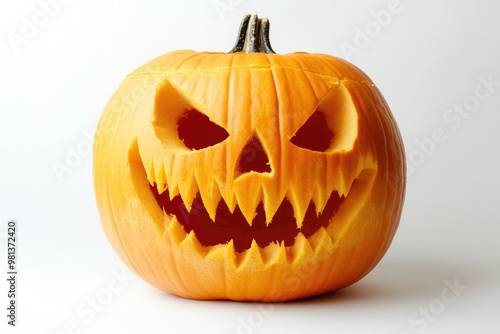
[(428, 58)]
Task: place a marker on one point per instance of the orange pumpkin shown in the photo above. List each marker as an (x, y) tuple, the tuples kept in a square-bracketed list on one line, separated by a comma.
[(249, 175)]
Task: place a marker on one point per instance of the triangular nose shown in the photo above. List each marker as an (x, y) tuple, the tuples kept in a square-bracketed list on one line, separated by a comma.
[(253, 157)]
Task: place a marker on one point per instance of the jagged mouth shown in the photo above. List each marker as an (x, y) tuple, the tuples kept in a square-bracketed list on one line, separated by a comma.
[(225, 226), (234, 226)]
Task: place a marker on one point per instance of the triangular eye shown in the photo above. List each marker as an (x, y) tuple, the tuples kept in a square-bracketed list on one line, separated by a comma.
[(197, 131), (314, 134)]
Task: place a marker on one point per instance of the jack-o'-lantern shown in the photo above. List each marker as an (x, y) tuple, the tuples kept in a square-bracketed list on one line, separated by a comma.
[(249, 175)]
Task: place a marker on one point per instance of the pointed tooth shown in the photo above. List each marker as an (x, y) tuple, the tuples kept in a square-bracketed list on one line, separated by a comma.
[(158, 170), (173, 189), (274, 253), (226, 191), (282, 257), (248, 213), (230, 254), (191, 242), (248, 199), (161, 181), (222, 252), (184, 176), (252, 256), (231, 202), (160, 187), (227, 195), (299, 214), (331, 177), (300, 199), (321, 240), (209, 192), (175, 231), (271, 205), (188, 190), (171, 182), (320, 198), (223, 190), (340, 183), (301, 248), (211, 198), (151, 174)]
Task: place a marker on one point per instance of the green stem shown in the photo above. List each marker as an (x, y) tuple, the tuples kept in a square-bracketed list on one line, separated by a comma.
[(253, 36)]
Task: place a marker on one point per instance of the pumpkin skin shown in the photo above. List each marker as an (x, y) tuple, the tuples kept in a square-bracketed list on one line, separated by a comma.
[(249, 175)]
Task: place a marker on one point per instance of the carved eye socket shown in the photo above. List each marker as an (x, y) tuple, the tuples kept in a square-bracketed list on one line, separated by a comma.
[(333, 127), (197, 131), (179, 123), (314, 135)]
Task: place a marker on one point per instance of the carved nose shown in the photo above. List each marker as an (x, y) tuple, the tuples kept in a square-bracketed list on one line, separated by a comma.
[(253, 157)]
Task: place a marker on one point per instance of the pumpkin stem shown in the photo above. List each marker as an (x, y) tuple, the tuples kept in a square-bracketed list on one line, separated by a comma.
[(253, 36)]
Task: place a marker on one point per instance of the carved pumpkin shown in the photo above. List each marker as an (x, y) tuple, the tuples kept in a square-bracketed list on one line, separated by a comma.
[(249, 175)]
